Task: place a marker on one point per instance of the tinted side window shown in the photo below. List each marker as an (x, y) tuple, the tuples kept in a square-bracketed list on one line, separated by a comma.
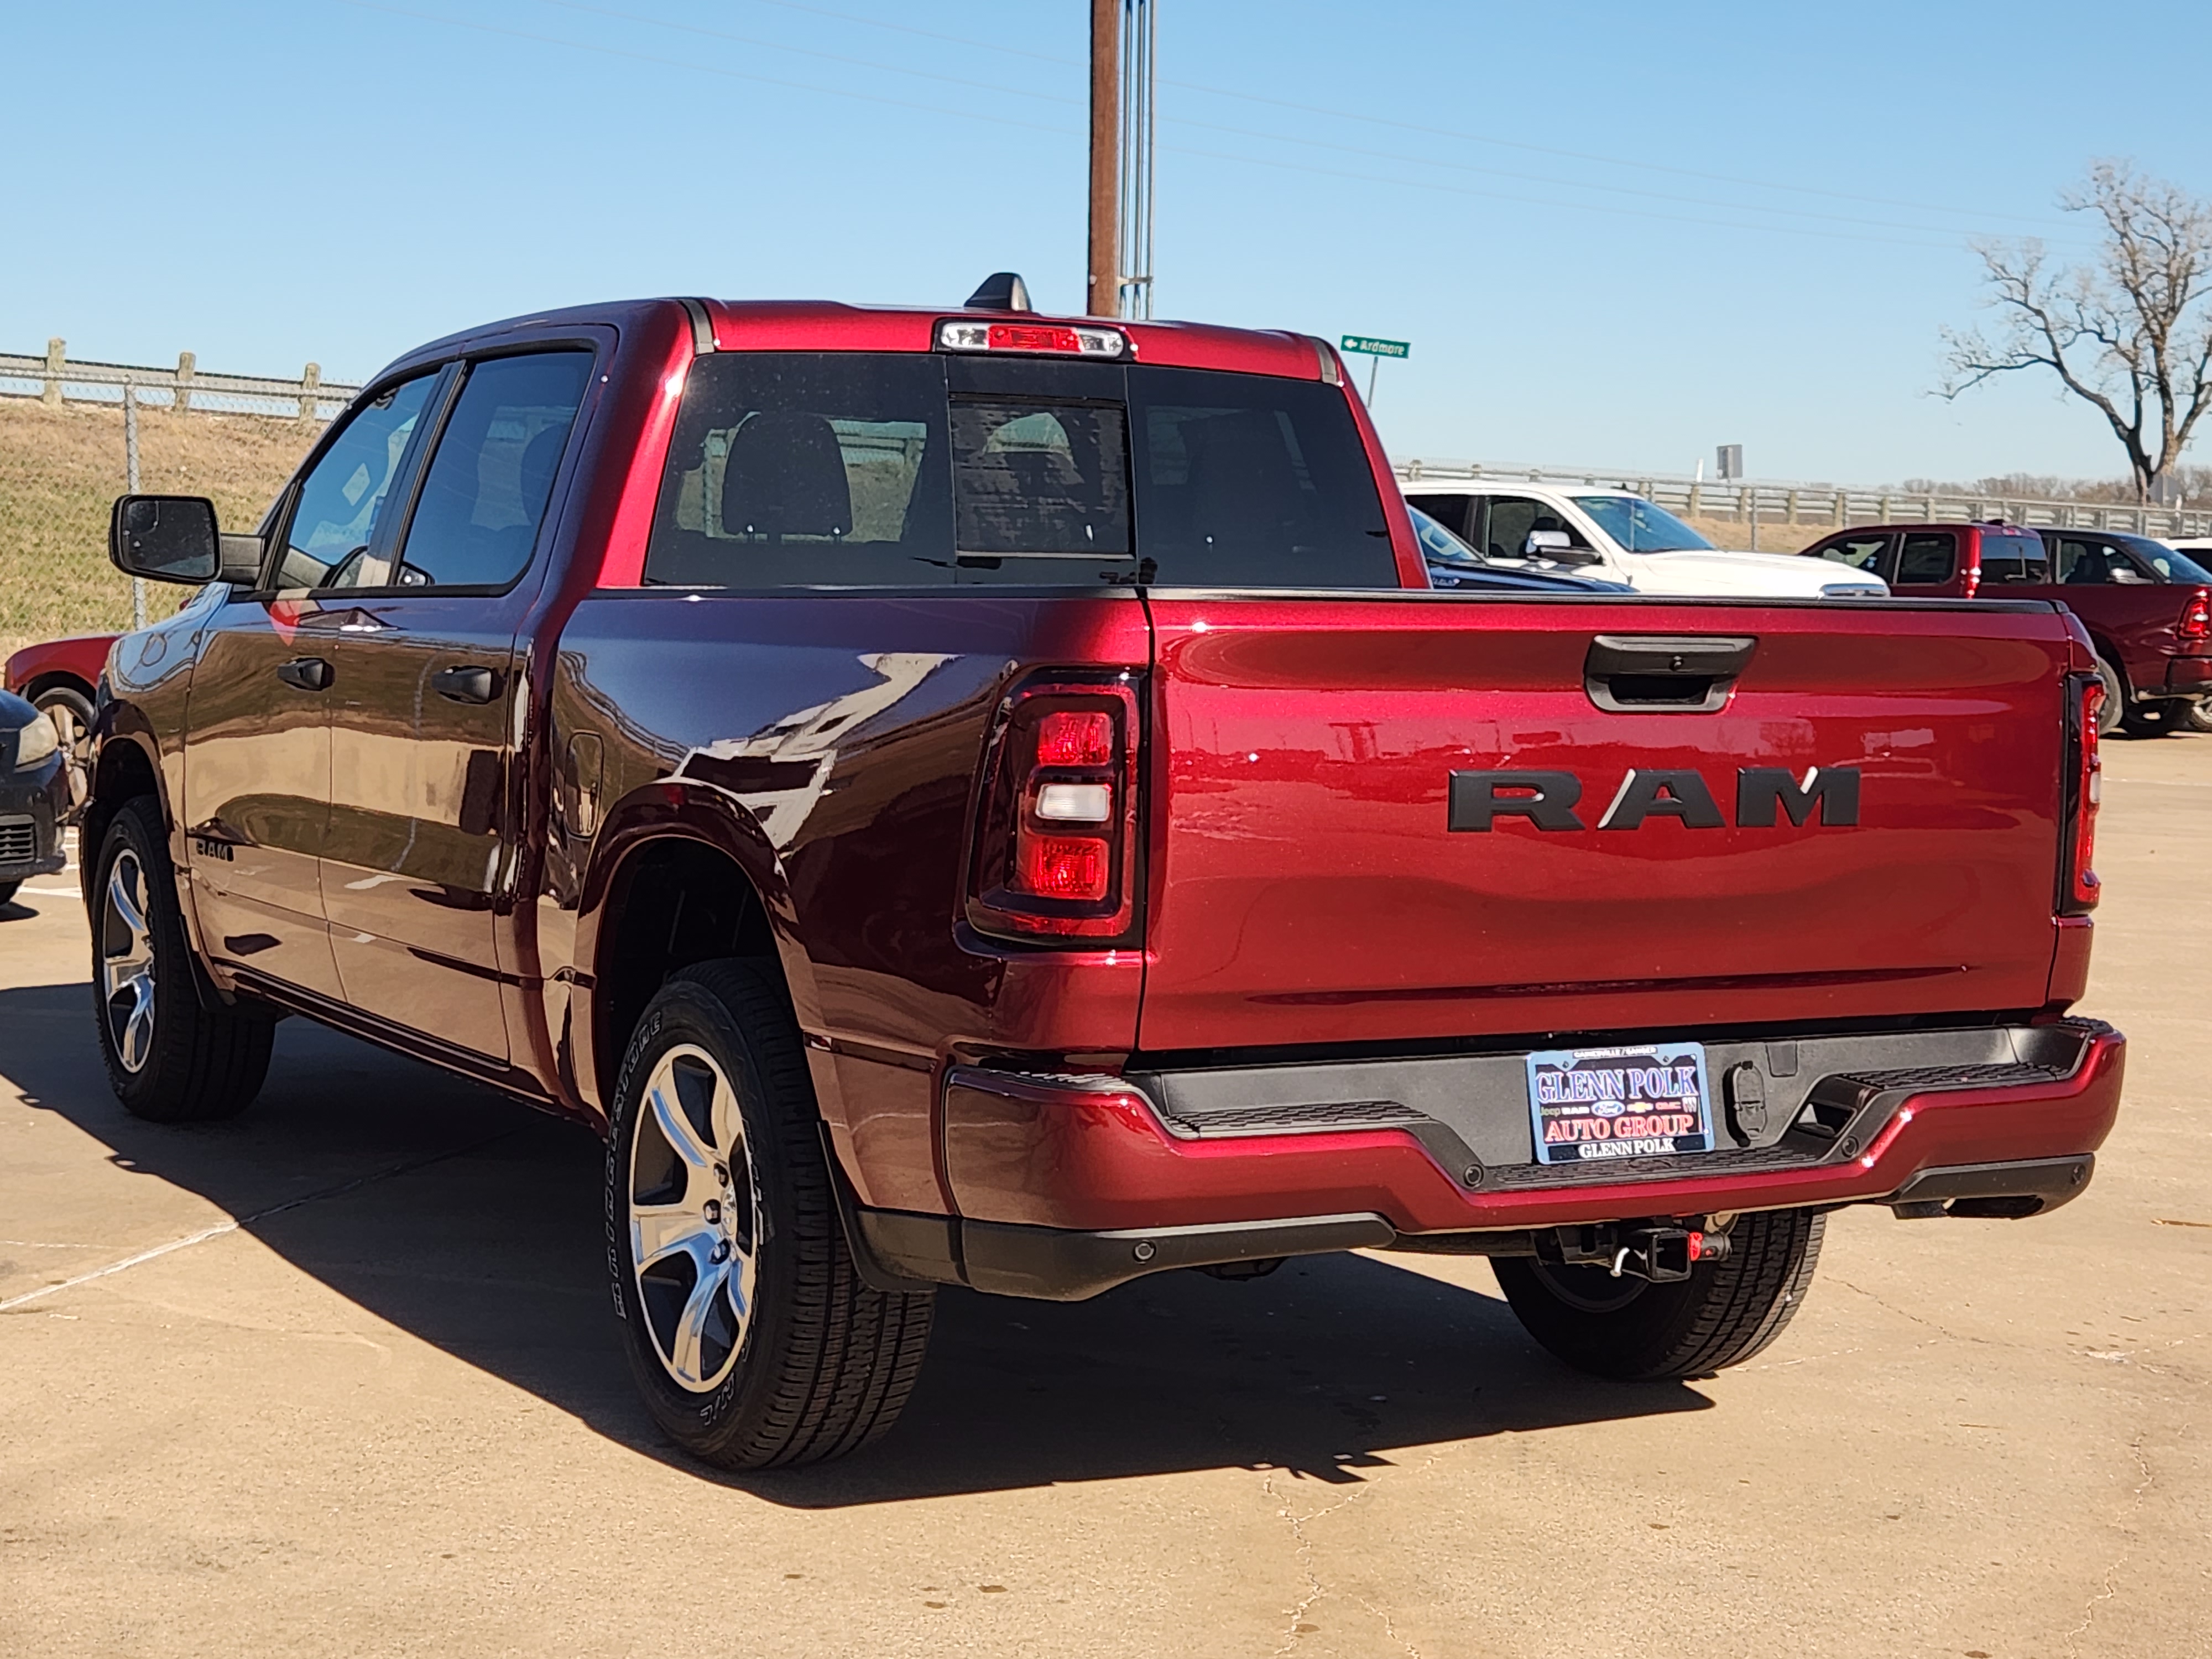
[(2013, 559), (478, 513), (1927, 558), (1514, 518), (807, 468), (1248, 480), (342, 499), (1450, 511), (2082, 563)]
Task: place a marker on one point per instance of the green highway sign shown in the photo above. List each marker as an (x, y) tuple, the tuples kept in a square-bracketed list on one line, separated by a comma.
[(1379, 348)]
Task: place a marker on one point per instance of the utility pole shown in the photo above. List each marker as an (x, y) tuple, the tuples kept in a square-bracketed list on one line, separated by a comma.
[(1103, 289)]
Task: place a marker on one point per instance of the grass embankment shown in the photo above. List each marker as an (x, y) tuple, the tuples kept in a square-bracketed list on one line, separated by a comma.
[(61, 469), (1773, 538)]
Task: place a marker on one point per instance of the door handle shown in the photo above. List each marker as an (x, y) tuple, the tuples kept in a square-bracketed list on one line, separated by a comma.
[(306, 673), (468, 684)]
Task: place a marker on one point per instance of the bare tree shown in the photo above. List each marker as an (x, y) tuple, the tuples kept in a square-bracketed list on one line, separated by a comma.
[(2129, 332)]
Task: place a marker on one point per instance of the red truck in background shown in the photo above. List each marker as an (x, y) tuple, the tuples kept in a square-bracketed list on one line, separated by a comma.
[(961, 797), (2148, 608), (60, 678)]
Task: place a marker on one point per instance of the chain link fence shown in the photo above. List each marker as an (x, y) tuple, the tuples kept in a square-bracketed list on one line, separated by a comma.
[(64, 457)]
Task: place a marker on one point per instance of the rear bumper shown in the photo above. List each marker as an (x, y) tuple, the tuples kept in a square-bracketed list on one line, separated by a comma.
[(1059, 1179), (2189, 677)]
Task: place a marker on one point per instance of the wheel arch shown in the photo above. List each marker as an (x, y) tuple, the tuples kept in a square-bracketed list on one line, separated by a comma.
[(2101, 643), (124, 767), (56, 679), (680, 872)]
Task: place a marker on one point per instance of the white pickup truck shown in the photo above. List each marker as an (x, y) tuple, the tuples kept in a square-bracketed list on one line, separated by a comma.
[(1621, 537)]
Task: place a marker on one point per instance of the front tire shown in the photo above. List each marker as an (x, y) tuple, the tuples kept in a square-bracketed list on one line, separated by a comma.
[(1628, 1329), (172, 1056), (750, 1334), (71, 711)]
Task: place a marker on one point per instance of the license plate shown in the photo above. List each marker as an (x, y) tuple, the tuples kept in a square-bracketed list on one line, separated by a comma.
[(1592, 1103)]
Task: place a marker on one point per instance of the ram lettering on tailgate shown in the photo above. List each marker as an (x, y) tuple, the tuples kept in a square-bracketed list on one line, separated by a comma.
[(1764, 795)]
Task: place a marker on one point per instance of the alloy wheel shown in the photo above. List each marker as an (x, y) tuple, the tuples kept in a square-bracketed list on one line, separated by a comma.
[(694, 1219), (126, 965)]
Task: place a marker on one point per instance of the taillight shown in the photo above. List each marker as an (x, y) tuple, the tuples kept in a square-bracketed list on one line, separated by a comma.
[(2077, 873), (2197, 620), (1058, 338), (1055, 852)]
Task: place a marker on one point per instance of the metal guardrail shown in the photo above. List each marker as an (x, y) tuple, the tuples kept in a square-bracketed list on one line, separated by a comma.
[(1769, 502), (56, 378)]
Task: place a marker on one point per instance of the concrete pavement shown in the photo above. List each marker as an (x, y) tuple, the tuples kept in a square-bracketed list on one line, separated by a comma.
[(357, 1393)]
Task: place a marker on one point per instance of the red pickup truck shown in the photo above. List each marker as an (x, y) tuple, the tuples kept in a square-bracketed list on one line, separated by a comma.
[(2148, 608), (968, 797)]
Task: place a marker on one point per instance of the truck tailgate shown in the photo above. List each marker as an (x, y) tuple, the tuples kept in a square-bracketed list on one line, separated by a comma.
[(1307, 885)]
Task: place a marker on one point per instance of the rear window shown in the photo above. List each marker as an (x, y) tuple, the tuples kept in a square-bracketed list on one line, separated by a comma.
[(2017, 556), (801, 469), (1926, 558)]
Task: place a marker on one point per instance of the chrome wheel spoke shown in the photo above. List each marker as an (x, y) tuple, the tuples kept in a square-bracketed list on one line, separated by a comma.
[(137, 1034), (676, 1129), (687, 1352), (658, 1232), (123, 897)]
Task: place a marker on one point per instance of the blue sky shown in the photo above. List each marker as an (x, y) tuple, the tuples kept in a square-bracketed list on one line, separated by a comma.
[(1616, 234)]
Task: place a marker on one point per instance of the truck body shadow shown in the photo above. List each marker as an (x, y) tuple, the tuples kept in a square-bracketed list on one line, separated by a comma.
[(474, 1224)]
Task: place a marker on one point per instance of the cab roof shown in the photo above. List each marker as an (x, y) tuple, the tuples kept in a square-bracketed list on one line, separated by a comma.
[(833, 325)]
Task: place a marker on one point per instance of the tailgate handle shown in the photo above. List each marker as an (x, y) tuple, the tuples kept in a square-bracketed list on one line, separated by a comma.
[(1665, 673)]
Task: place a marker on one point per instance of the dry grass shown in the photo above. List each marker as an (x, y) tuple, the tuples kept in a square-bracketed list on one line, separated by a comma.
[(1772, 538), (61, 469)]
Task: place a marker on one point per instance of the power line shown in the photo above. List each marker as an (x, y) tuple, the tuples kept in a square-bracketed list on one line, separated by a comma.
[(658, 60), (1410, 126), (703, 31)]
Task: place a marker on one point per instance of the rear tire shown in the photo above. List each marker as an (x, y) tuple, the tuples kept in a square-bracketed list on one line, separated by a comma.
[(2199, 715), (1725, 1312), (171, 1057), (750, 1333), (2158, 717)]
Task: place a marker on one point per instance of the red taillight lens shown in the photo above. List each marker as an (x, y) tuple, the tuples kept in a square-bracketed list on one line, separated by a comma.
[(2196, 621), (1075, 737), (1064, 866), (1027, 336), (1055, 838), (2079, 888)]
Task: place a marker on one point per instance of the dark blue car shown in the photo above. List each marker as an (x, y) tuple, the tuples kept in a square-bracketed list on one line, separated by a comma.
[(1454, 565), (33, 794)]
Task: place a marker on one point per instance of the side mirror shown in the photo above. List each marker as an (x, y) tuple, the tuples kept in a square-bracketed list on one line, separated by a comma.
[(174, 538), (1557, 546)]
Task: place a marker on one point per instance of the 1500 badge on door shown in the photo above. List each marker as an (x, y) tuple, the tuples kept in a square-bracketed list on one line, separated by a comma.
[(1648, 1102)]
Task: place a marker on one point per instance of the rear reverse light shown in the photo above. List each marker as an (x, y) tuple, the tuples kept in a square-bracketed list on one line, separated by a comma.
[(2078, 888), (960, 335), (2196, 621), (1055, 850)]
